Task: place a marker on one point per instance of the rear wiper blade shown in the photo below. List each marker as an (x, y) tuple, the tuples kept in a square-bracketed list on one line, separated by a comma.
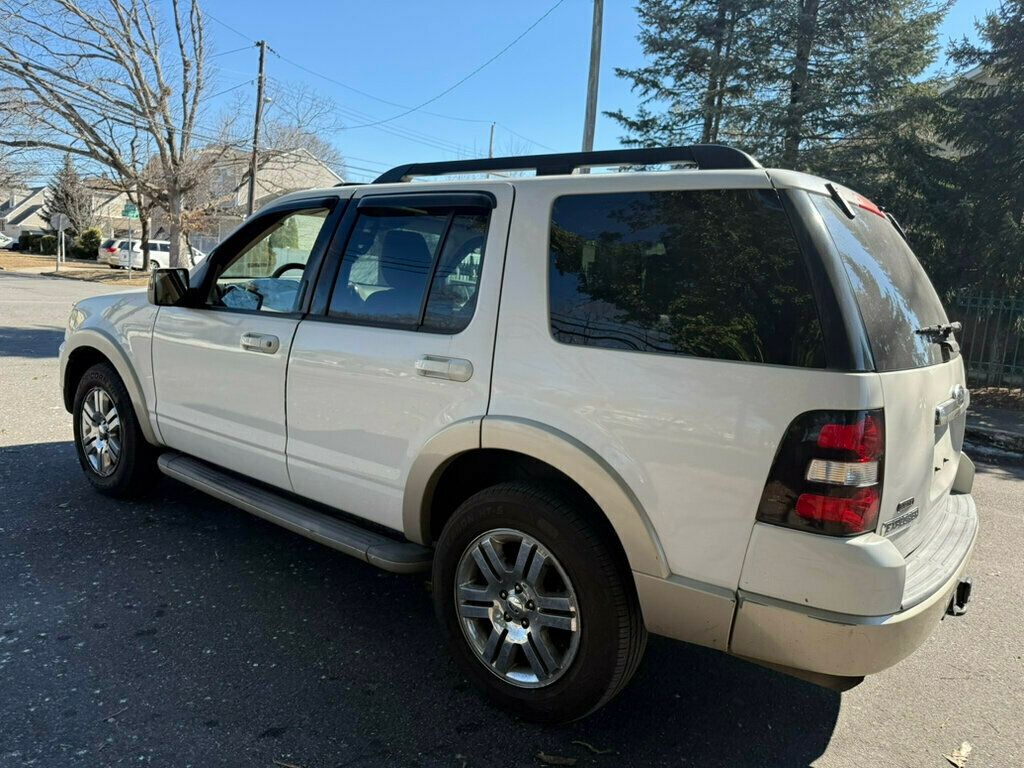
[(942, 334), (941, 330)]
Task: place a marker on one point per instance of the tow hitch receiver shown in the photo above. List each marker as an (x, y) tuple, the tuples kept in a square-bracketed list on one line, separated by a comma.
[(961, 597)]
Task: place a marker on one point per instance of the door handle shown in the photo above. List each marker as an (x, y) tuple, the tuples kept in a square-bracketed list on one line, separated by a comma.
[(451, 368), (266, 343)]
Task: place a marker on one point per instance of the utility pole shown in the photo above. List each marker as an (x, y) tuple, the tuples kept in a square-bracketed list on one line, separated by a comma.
[(595, 69), (490, 146), (256, 126)]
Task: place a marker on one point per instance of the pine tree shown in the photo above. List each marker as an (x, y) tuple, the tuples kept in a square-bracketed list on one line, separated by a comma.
[(785, 79), (985, 126), (705, 61), (67, 194)]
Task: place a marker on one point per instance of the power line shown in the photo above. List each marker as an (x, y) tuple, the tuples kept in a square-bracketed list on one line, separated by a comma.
[(451, 88)]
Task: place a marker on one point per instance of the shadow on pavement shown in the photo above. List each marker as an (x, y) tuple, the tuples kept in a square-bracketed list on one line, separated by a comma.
[(30, 342), (208, 636)]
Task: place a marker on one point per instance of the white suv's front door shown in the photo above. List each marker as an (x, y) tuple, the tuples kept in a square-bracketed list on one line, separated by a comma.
[(219, 365), (403, 348)]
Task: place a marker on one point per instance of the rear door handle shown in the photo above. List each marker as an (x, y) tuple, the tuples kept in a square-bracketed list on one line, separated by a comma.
[(451, 368), (266, 343)]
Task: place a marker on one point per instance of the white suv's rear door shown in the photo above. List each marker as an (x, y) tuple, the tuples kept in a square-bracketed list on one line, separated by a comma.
[(403, 343), (920, 370)]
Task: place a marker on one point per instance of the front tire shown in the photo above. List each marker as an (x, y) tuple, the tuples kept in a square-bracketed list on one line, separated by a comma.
[(537, 602), (111, 448)]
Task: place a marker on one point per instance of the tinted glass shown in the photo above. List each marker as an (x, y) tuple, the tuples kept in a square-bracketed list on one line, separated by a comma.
[(714, 273), (266, 273), (894, 293), (454, 288), (389, 262)]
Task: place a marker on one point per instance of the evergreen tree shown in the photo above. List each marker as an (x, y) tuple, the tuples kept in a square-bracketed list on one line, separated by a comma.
[(67, 194), (985, 126), (786, 79), (705, 66)]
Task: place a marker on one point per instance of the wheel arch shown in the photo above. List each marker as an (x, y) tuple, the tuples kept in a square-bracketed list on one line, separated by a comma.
[(480, 452), (86, 348)]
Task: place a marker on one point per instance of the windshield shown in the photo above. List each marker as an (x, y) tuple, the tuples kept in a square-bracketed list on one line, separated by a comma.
[(894, 294)]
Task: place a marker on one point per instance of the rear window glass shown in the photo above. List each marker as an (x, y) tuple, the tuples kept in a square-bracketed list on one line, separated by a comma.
[(107, 243), (893, 291), (709, 273)]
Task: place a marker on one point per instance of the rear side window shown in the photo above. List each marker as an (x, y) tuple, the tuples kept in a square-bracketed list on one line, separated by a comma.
[(894, 294), (418, 270), (708, 273)]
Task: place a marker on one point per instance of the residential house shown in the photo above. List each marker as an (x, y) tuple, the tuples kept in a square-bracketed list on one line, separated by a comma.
[(21, 212)]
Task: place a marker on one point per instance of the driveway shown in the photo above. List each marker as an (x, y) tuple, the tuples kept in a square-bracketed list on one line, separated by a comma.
[(178, 631)]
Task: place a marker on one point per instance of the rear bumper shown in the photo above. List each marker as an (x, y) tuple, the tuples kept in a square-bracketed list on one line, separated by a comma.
[(791, 635)]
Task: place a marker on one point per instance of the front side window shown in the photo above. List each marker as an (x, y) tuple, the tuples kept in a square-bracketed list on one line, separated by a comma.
[(418, 270), (265, 273), (708, 273)]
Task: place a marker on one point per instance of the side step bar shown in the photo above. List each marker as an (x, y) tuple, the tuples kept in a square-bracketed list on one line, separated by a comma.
[(367, 545)]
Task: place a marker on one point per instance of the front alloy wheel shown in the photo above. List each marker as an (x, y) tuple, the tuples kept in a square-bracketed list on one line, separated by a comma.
[(100, 433), (517, 607)]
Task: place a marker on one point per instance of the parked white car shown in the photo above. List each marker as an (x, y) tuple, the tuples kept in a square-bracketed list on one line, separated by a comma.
[(114, 253), (722, 404)]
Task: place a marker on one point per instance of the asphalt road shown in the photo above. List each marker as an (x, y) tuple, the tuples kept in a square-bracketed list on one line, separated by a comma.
[(179, 631)]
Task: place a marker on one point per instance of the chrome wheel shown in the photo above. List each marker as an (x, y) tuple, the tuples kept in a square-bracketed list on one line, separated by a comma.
[(517, 608), (100, 432)]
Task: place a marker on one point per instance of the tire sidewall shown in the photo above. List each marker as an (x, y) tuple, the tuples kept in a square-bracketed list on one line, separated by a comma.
[(592, 672)]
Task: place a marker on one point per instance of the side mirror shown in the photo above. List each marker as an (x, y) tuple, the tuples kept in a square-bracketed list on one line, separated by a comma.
[(168, 287)]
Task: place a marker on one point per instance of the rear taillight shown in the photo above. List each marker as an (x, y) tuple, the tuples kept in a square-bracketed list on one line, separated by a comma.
[(827, 474), (111, 250)]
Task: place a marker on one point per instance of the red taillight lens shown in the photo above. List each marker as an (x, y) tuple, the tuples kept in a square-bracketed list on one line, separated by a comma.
[(856, 514), (827, 474), (867, 205), (863, 438), (111, 250)]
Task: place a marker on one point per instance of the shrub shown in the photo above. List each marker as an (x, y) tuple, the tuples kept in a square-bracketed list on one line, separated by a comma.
[(28, 243), (48, 245), (88, 243)]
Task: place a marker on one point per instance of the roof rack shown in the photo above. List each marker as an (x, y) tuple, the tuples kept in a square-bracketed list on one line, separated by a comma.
[(704, 156)]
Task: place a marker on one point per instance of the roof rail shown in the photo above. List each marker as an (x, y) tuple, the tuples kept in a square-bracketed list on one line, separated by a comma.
[(704, 156)]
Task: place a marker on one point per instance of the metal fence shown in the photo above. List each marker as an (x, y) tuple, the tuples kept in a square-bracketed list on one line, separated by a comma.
[(992, 340)]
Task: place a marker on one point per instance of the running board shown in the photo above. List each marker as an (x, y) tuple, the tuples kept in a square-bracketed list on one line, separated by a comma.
[(352, 539)]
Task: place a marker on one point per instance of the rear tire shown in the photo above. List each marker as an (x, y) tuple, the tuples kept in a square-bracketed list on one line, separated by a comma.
[(111, 448), (574, 619)]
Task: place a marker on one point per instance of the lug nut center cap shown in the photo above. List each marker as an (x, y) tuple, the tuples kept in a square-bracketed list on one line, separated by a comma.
[(516, 603)]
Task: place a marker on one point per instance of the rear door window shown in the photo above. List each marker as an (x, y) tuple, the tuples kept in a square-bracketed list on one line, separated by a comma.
[(894, 294), (708, 273)]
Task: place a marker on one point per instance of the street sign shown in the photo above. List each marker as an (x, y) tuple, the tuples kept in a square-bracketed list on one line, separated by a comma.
[(59, 222), (130, 211)]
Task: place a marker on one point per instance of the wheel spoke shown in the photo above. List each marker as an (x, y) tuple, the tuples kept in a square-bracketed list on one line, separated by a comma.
[(481, 562), (556, 622), (553, 603), (534, 660), (543, 648), (536, 566), (504, 660), (496, 563), (525, 550), (90, 412), (472, 593), (469, 611), (114, 447), (497, 635)]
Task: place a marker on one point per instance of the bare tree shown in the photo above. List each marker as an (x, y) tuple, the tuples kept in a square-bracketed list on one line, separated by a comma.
[(92, 78)]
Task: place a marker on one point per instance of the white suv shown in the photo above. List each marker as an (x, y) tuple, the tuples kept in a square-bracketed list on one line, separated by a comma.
[(722, 404)]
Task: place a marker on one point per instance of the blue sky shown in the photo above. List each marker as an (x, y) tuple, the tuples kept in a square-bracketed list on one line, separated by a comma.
[(406, 51)]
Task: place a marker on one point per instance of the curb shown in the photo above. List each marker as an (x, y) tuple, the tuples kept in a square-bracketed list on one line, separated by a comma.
[(1007, 442)]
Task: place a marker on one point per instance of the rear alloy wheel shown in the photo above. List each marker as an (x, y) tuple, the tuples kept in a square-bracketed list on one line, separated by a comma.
[(537, 601), (111, 448), (520, 616)]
